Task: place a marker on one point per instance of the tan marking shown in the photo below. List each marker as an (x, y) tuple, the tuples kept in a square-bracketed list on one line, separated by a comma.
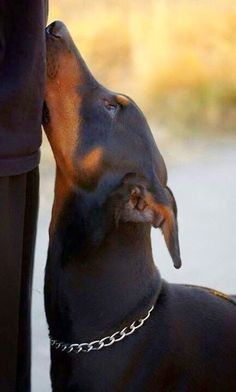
[(91, 163), (63, 103), (122, 100)]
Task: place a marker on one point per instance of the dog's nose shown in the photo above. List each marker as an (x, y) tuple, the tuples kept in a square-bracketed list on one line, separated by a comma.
[(57, 29)]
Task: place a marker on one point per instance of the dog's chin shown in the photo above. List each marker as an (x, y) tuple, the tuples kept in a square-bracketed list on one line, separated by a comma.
[(45, 114), (52, 68)]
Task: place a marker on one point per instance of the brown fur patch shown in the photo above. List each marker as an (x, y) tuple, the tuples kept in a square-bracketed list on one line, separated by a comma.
[(91, 163), (63, 102)]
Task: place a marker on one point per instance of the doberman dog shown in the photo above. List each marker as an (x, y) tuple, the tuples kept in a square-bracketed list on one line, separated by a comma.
[(114, 324)]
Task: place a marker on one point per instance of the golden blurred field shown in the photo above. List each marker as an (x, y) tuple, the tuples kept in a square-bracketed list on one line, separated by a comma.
[(176, 58)]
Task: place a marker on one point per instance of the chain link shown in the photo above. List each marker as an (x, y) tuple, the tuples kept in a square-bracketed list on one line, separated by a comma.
[(107, 341)]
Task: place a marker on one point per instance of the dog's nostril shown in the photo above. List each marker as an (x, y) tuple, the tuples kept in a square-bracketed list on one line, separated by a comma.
[(51, 26), (52, 30)]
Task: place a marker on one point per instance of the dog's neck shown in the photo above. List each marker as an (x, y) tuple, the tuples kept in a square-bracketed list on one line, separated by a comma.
[(104, 279)]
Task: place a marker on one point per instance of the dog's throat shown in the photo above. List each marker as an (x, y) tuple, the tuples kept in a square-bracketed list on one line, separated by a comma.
[(108, 340), (102, 282)]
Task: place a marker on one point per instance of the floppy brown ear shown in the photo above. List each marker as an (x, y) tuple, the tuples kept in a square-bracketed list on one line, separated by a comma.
[(138, 202), (169, 227)]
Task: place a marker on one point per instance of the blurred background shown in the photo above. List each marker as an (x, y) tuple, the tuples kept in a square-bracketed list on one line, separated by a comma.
[(176, 57), (177, 60)]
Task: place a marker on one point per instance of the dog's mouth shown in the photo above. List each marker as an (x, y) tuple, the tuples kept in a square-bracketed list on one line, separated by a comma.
[(45, 114)]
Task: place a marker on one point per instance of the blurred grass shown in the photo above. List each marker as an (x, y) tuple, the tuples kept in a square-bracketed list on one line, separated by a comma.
[(176, 58)]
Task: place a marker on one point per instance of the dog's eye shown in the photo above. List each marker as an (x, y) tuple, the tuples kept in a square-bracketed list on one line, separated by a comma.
[(111, 107)]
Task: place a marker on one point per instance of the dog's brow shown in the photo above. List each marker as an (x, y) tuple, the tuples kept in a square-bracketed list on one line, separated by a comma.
[(122, 100)]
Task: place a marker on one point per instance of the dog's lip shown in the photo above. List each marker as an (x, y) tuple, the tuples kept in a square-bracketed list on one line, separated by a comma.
[(56, 29)]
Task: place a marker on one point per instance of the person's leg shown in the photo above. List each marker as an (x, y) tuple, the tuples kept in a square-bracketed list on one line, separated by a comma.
[(24, 332), (18, 216), (12, 208)]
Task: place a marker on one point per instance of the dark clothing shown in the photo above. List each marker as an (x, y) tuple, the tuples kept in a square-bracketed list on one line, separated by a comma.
[(22, 76), (18, 212)]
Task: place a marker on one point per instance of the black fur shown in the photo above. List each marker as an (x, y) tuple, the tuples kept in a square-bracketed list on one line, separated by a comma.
[(101, 276)]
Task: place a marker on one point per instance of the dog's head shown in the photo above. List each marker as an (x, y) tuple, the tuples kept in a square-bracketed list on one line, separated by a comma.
[(102, 142)]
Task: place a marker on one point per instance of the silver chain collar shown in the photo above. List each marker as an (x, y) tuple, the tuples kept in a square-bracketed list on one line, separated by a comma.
[(96, 345)]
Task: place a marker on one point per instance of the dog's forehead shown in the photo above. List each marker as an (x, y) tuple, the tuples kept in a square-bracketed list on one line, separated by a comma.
[(136, 144)]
